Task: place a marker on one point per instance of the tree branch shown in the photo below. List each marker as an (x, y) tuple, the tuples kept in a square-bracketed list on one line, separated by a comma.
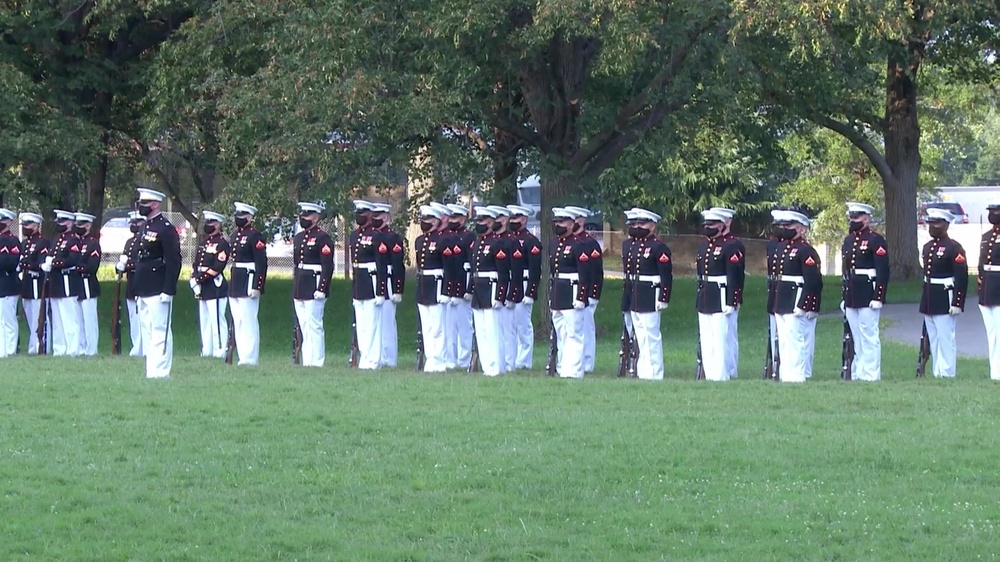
[(858, 140)]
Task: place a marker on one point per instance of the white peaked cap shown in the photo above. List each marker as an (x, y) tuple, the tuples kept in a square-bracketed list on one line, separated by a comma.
[(580, 212), (31, 217), (559, 213), (630, 215), (713, 215), (854, 207), (64, 215), (500, 210), (8, 214), (362, 205), (795, 216), (727, 214), (646, 215), (485, 212), (518, 210), (778, 215), (306, 207), (210, 216), (150, 194), (445, 210), (994, 203), (940, 215), (135, 216), (239, 208), (84, 217), (381, 207), (457, 209), (429, 211)]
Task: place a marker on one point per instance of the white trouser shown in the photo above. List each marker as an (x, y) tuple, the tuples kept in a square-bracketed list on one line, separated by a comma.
[(488, 342), (389, 336), (867, 365), (89, 332), (8, 326), (569, 338), (649, 364), (432, 320), (159, 346), (247, 328), (941, 335), (65, 326), (991, 319), (525, 333), (31, 309), (368, 325), (135, 330), (508, 338), (716, 343), (733, 358), (213, 327), (796, 335), (775, 352), (310, 316), (589, 336), (459, 335)]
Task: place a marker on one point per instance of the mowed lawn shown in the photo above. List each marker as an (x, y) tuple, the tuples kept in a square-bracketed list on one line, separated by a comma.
[(285, 463)]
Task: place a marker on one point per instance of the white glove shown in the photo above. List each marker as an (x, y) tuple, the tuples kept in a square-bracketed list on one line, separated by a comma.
[(46, 267), (193, 283), (528, 301), (812, 315), (661, 306), (798, 312), (954, 311), (253, 293), (497, 304), (510, 304), (319, 296), (120, 267), (593, 303), (727, 310), (579, 305), (468, 297), (165, 297), (843, 306), (453, 301), (379, 300), (397, 298), (442, 299), (197, 290), (875, 305)]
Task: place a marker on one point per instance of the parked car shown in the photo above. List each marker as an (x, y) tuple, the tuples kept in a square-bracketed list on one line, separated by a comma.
[(114, 234), (953, 208)]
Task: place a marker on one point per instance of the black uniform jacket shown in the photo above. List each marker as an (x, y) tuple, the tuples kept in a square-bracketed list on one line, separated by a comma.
[(159, 264), (721, 266), (490, 271), (36, 248), (66, 253), (525, 266), (370, 264), (312, 255), (989, 268), (131, 251), (648, 268), (10, 259), (569, 264), (864, 260), (798, 281), (90, 260), (249, 271), (433, 277), (397, 260), (946, 276), (209, 266)]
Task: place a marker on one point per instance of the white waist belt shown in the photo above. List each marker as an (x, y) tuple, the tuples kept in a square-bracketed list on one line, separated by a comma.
[(486, 274), (311, 267), (203, 268), (867, 272), (717, 279), (431, 272), (568, 276), (940, 280), (990, 267), (245, 265), (648, 278), (370, 266), (792, 279)]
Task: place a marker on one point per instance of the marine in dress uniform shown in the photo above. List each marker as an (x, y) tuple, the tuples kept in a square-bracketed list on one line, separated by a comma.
[(490, 276), (10, 285), (989, 286), (64, 286), (397, 279), (946, 283), (89, 287), (458, 336), (156, 273), (798, 290), (733, 350), (431, 292), (208, 283), (247, 277), (525, 275), (648, 269), (505, 314), (126, 266), (721, 264), (569, 264), (594, 282), (33, 254), (312, 255), (864, 259), (369, 284)]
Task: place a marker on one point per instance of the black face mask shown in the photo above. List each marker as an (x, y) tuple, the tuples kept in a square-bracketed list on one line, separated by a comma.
[(993, 217), (497, 226), (785, 233), (145, 210), (208, 229), (426, 226), (62, 227), (240, 222), (453, 225), (937, 231), (305, 223), (514, 226), (559, 230), (377, 223), (80, 230), (710, 231), (482, 228), (638, 232), (360, 218), (4, 226), (26, 232), (855, 226), (135, 228)]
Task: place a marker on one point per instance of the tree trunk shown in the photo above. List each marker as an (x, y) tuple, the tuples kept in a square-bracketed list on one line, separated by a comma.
[(504, 167), (555, 187), (902, 153), (96, 184)]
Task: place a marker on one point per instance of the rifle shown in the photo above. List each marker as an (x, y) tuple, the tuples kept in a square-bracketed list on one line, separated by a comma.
[(355, 357), (296, 343), (847, 352), (625, 353), (474, 360), (231, 340), (699, 373), (924, 352), (769, 355), (40, 331), (421, 355), (116, 319), (550, 367)]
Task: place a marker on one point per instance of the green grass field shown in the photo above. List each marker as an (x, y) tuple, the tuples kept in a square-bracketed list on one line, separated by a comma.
[(285, 463)]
